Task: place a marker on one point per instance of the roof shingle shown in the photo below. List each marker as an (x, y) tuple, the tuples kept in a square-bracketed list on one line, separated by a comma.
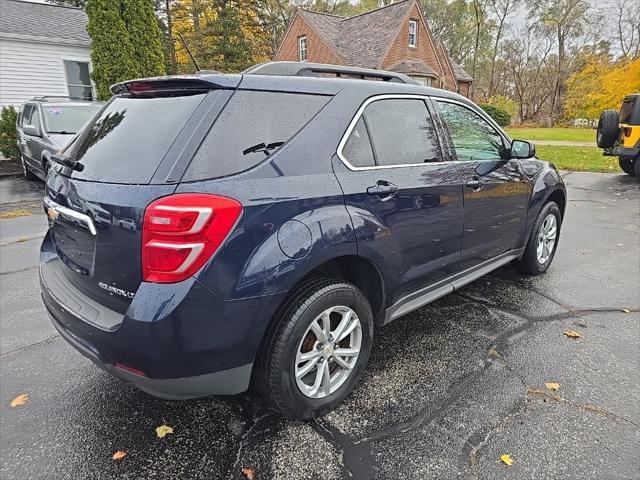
[(42, 20), (361, 40)]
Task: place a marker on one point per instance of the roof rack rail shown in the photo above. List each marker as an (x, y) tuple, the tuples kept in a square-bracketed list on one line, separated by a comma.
[(307, 69), (45, 98)]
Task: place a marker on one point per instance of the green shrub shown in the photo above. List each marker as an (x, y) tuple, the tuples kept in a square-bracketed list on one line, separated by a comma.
[(501, 116), (506, 104), (8, 134)]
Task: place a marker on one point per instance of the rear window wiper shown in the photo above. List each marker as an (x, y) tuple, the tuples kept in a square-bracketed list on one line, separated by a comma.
[(262, 147), (63, 159)]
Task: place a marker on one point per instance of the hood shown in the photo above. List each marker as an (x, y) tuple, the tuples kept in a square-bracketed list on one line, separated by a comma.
[(60, 140)]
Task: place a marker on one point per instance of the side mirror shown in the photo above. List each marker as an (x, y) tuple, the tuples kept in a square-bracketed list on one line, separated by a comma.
[(522, 149), (30, 130)]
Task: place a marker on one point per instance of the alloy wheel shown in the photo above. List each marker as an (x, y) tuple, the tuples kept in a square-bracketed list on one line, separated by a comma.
[(547, 238), (328, 352)]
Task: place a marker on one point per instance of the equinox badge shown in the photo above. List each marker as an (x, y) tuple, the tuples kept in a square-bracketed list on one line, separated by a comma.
[(118, 291)]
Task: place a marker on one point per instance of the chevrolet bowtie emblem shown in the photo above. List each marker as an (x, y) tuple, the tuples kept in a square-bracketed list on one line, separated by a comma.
[(52, 213)]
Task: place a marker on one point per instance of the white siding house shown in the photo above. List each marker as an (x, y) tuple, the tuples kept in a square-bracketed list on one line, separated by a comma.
[(44, 51)]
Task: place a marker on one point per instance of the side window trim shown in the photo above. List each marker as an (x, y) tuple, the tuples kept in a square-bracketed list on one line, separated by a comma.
[(360, 113), (373, 147)]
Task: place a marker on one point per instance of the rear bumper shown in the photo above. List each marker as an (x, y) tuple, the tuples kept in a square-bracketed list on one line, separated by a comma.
[(626, 152), (184, 340), (226, 382)]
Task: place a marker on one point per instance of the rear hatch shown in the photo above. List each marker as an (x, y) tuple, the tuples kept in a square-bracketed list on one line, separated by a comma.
[(129, 153)]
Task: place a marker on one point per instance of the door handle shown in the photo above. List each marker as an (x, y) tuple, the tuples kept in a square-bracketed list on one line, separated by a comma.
[(474, 184), (383, 189)]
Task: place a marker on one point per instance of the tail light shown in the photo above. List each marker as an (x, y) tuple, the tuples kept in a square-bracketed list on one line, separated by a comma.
[(181, 232)]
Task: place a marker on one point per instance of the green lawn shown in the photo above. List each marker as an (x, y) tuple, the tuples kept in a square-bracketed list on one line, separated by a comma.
[(583, 159), (564, 134)]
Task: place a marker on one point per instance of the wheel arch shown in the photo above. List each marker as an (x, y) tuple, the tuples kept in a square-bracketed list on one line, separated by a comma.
[(560, 197), (353, 268)]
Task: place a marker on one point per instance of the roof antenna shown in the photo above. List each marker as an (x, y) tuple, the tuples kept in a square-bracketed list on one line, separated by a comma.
[(184, 43)]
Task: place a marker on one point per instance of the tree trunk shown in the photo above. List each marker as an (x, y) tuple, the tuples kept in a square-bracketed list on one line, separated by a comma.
[(172, 48)]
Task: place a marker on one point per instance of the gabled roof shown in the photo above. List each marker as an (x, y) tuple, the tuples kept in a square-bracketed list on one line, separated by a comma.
[(40, 21), (413, 66), (459, 72), (361, 40)]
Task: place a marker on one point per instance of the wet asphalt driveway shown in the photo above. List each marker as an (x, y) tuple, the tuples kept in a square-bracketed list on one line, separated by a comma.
[(449, 389)]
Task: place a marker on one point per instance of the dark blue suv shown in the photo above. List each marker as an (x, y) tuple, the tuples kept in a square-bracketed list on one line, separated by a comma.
[(212, 231)]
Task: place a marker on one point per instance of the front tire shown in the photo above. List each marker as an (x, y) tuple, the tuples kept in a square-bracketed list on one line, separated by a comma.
[(543, 241), (317, 349)]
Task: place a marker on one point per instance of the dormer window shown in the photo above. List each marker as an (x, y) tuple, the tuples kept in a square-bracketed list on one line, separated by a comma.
[(413, 33), (302, 48)]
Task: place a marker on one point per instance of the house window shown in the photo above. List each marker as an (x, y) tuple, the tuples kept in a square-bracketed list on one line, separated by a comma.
[(426, 81), (78, 79), (413, 33), (302, 48)]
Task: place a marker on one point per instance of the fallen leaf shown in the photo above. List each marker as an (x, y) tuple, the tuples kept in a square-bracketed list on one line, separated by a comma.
[(506, 458), (552, 386), (20, 400), (249, 473), (494, 353), (119, 455), (572, 334), (163, 430)]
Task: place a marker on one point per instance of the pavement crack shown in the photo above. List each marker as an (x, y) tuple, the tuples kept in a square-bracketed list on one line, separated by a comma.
[(427, 416), (25, 347), (585, 407), (256, 421), (22, 239), (19, 270), (474, 449)]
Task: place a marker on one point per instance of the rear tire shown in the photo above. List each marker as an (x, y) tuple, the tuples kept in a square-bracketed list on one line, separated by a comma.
[(608, 128), (628, 165), (636, 167), (28, 174), (280, 367), (539, 253)]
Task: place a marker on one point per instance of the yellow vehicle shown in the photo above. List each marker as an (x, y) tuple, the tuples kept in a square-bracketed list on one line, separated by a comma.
[(619, 134)]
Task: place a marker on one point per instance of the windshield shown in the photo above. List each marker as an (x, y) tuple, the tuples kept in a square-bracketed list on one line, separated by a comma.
[(68, 119)]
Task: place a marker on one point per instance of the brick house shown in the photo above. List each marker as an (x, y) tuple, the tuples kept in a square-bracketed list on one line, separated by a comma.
[(395, 37)]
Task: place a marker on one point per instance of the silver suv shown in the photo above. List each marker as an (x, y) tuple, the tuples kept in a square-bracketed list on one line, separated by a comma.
[(45, 125)]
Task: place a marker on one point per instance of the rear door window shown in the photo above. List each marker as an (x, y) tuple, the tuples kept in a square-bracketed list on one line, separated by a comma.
[(252, 127), (402, 132), (130, 137)]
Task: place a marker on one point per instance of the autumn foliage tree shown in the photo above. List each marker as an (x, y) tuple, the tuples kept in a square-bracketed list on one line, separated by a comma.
[(125, 42), (599, 86)]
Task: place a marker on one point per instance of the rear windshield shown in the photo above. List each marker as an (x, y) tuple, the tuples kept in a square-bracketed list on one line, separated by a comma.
[(251, 128), (130, 137), (67, 119)]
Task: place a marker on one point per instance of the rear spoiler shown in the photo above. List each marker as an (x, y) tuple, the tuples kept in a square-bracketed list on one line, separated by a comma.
[(177, 84)]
